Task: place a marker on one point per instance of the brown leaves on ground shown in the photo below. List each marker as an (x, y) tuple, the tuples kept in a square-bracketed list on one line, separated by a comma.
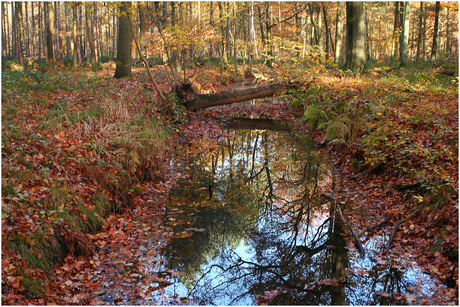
[(48, 149)]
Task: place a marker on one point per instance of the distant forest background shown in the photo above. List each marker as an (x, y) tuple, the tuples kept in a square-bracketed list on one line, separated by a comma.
[(228, 32)]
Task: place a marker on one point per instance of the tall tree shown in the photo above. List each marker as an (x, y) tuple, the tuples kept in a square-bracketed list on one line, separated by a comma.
[(50, 31), (356, 35), (434, 47), (251, 32), (223, 53), (40, 44), (89, 33), (405, 34), (326, 25), (74, 36), (124, 46), (338, 32), (421, 30), (57, 27), (14, 33), (396, 30), (4, 31), (142, 28), (20, 23), (27, 29), (211, 24)]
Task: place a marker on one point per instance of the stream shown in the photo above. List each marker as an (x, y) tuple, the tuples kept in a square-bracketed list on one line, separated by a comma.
[(251, 227)]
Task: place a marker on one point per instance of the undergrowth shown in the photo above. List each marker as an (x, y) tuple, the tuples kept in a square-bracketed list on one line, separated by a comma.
[(404, 119), (75, 146)]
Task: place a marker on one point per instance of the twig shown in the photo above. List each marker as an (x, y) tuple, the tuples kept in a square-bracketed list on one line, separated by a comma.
[(374, 227), (442, 62), (153, 277), (357, 241), (397, 224)]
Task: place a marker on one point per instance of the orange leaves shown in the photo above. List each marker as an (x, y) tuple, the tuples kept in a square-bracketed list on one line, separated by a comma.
[(268, 296)]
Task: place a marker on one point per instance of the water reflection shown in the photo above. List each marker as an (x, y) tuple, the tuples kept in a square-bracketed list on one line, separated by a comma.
[(261, 232)]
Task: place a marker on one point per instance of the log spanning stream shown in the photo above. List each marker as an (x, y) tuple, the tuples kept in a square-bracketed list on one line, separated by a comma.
[(252, 228)]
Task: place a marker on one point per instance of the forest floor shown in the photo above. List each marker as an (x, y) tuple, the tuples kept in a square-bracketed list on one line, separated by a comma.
[(84, 195)]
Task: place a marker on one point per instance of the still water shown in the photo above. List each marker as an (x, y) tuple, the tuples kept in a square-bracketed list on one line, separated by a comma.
[(251, 227)]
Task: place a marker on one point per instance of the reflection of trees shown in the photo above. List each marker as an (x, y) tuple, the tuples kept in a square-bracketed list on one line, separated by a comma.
[(258, 189), (387, 278), (258, 192)]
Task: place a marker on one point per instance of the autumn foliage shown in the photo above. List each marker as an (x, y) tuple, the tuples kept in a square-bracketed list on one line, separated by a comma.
[(83, 167)]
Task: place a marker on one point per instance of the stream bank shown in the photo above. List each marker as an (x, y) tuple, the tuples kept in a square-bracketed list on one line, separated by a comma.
[(142, 265)]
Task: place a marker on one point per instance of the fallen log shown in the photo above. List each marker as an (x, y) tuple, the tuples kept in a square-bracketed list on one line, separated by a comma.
[(194, 102)]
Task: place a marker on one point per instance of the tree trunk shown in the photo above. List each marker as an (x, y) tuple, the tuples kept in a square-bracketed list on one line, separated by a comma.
[(20, 23), (268, 26), (396, 31), (14, 37), (142, 28), (114, 34), (40, 12), (95, 27), (57, 37), (227, 30), (74, 46), (4, 33), (405, 34), (81, 44), (369, 43), (434, 48), (27, 28), (89, 33), (251, 33), (124, 46), (338, 33), (223, 53), (211, 24), (68, 39), (420, 31), (356, 39), (448, 47), (319, 37), (175, 53), (235, 55), (50, 31), (196, 102), (326, 25)]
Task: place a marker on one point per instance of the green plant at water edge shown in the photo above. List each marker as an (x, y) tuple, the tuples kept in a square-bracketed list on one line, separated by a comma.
[(315, 117), (39, 251), (341, 131)]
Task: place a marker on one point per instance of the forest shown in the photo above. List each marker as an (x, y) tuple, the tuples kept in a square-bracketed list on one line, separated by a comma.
[(218, 153)]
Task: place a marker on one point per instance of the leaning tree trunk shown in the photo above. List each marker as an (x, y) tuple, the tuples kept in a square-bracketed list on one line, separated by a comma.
[(194, 102)]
